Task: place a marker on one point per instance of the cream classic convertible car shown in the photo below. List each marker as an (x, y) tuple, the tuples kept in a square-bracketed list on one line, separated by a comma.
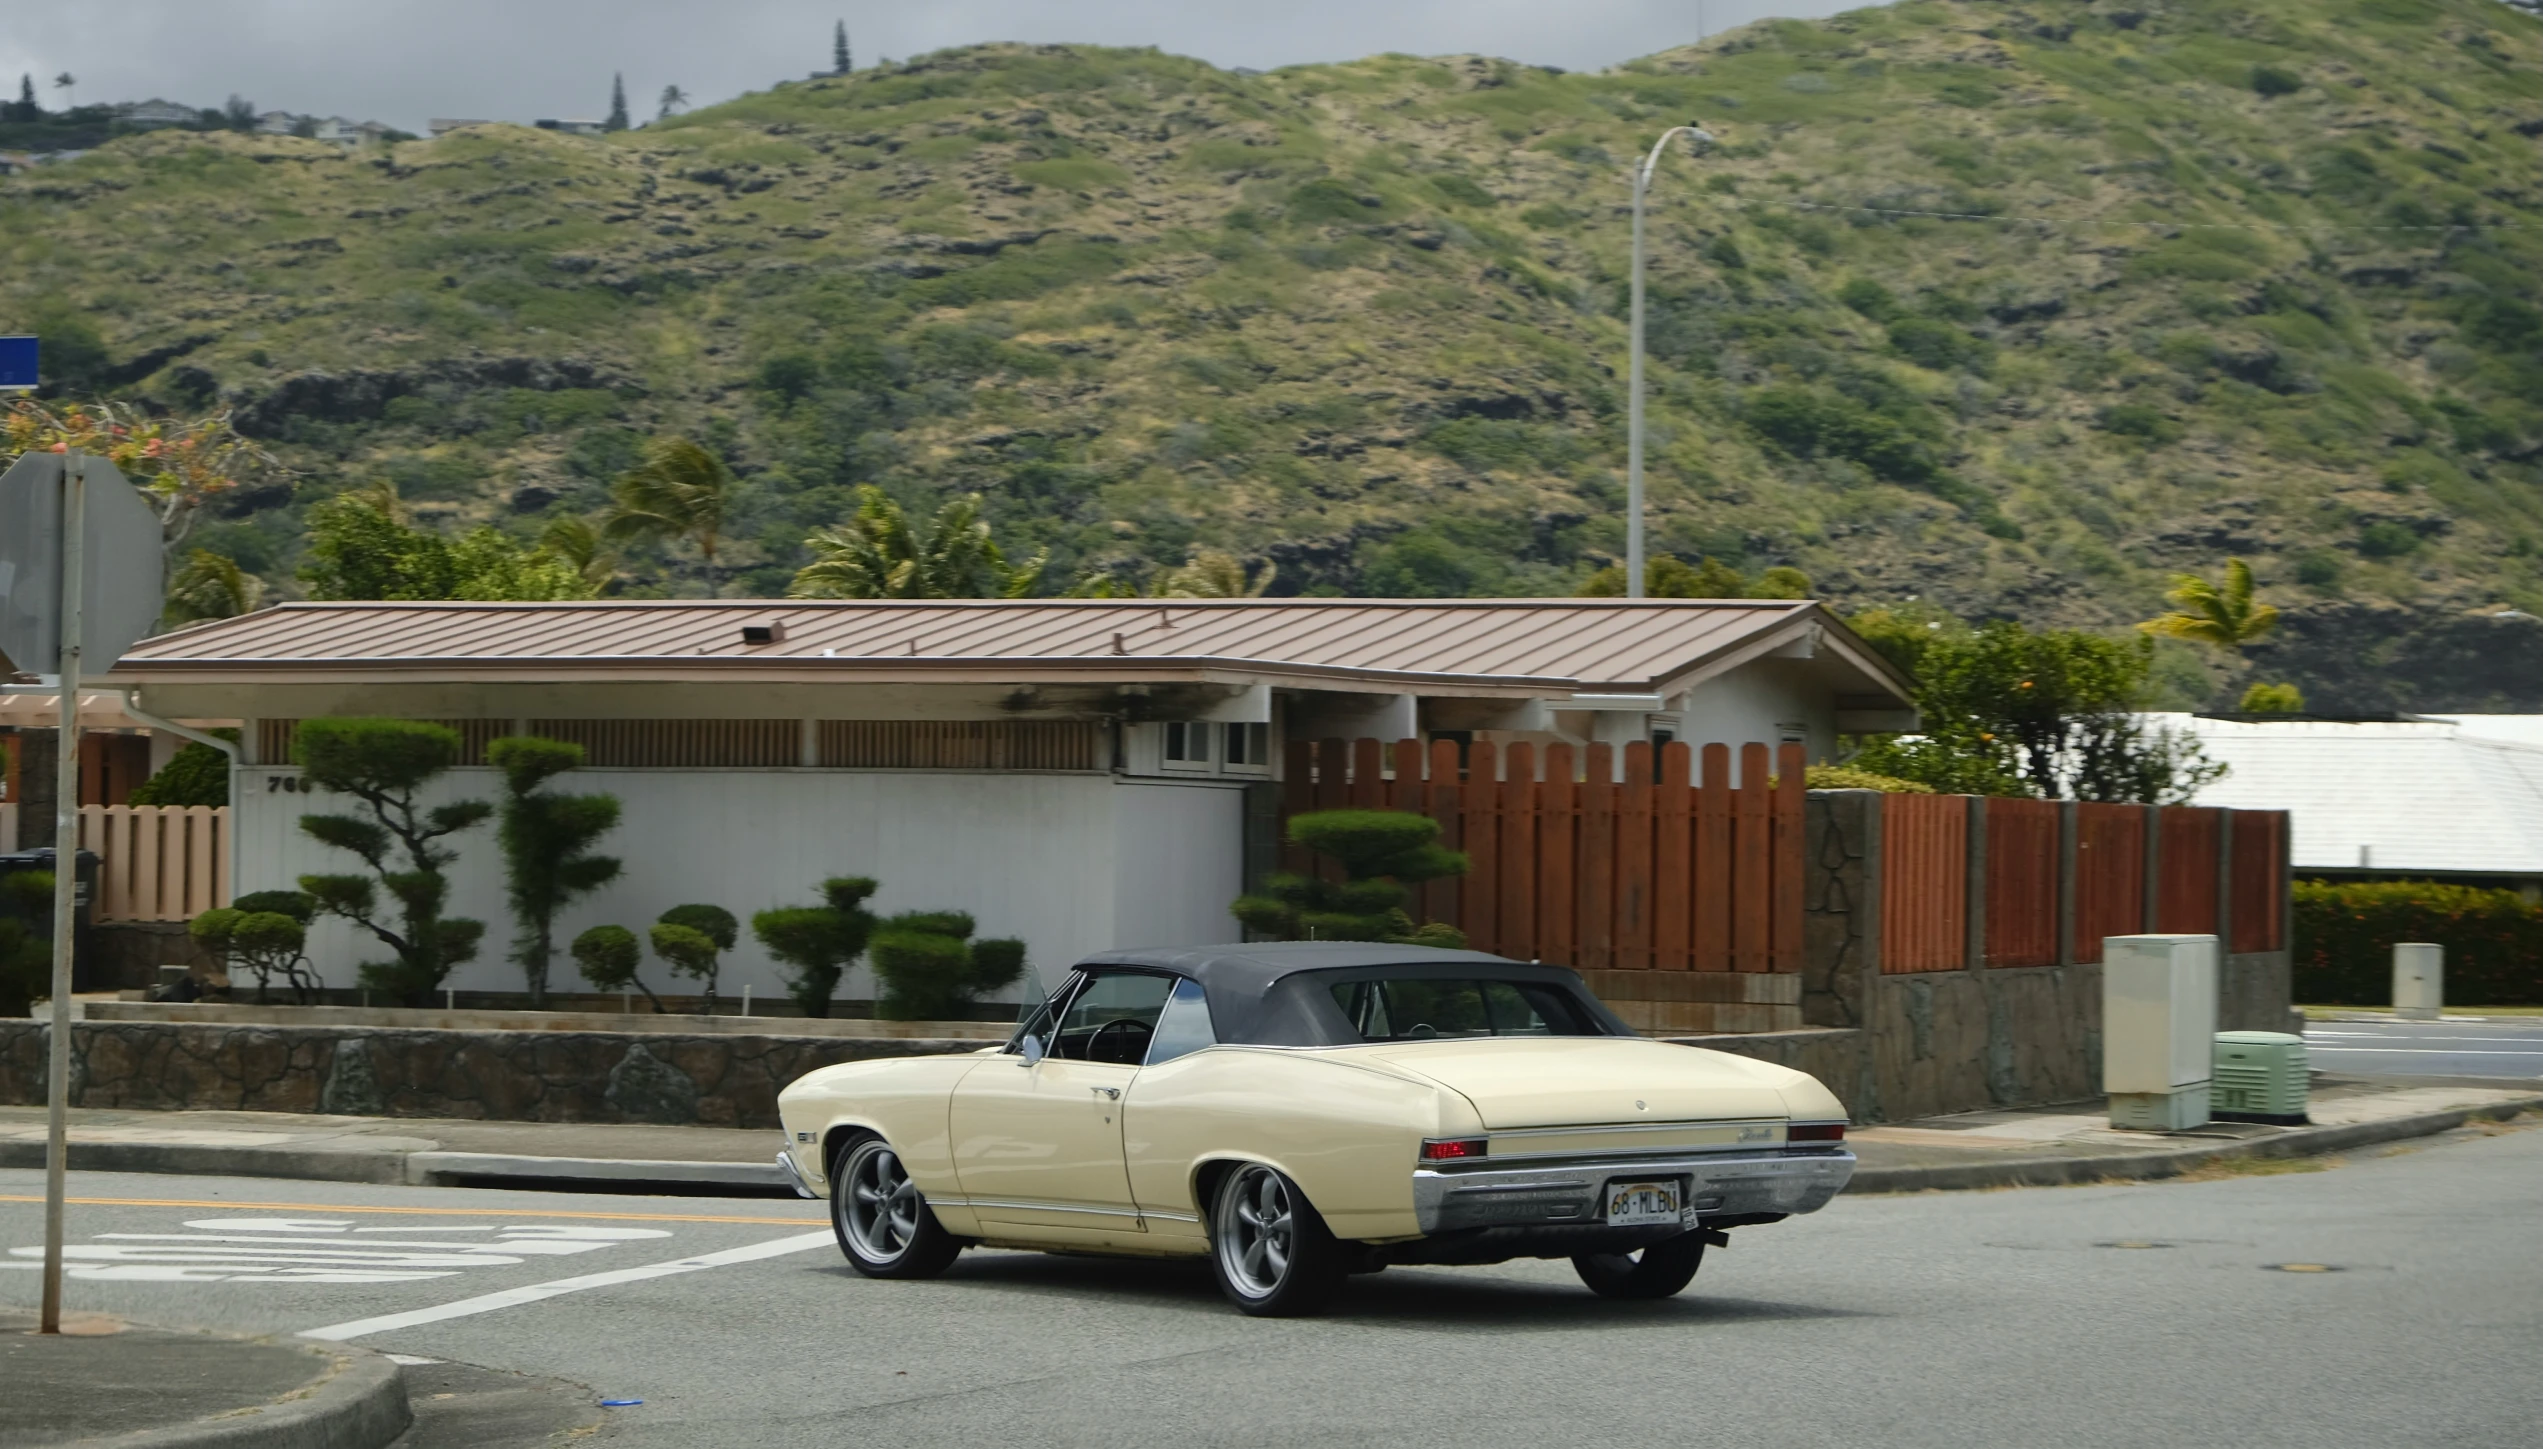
[(1300, 1112)]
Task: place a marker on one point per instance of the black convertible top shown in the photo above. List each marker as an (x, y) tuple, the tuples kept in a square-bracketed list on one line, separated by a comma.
[(1253, 1001)]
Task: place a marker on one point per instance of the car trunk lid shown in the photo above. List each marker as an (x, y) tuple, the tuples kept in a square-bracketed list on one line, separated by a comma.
[(1581, 1081)]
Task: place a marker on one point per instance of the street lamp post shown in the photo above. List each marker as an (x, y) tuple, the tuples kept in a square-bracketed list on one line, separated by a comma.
[(1700, 138)]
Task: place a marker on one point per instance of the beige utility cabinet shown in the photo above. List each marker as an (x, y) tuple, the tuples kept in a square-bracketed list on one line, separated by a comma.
[(2158, 1030)]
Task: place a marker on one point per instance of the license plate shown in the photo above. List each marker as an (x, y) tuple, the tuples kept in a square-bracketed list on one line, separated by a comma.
[(1643, 1204)]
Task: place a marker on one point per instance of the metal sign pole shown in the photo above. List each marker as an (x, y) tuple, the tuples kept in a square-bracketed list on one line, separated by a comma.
[(57, 1090)]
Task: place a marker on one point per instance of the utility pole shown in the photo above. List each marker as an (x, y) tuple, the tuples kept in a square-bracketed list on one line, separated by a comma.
[(1700, 138), (57, 1079)]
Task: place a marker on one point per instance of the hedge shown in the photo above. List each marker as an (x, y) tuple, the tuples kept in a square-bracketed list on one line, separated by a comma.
[(2345, 933)]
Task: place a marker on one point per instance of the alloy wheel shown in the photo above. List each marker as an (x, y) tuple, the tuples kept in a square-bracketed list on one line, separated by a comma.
[(881, 1204), (1263, 1234)]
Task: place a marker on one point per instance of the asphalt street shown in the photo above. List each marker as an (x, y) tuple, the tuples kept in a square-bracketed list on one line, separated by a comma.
[(2499, 1046), (2125, 1315)]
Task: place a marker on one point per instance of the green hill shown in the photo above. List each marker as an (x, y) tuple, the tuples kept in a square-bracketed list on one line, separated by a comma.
[(2254, 278)]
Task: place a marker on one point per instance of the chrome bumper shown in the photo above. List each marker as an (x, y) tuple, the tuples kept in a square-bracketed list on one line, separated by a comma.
[(794, 1174), (1718, 1184)]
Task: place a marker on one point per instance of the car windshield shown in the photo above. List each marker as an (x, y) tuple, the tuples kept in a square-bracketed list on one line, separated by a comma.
[(1419, 1009)]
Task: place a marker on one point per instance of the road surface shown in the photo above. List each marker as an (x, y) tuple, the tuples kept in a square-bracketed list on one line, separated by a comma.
[(2498, 1046), (2122, 1316)]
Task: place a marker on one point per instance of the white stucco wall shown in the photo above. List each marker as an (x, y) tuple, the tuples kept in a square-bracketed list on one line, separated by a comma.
[(1071, 863), (1753, 702)]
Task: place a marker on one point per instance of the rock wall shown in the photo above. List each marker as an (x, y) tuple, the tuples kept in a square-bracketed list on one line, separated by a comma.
[(706, 1081)]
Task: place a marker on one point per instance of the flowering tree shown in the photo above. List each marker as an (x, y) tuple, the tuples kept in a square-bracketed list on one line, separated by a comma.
[(181, 463)]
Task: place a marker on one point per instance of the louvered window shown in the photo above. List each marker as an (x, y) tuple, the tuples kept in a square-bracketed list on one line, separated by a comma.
[(876, 744), (679, 743), (275, 738)]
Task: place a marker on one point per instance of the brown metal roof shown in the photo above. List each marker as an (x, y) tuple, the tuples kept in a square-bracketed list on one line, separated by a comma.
[(1584, 645)]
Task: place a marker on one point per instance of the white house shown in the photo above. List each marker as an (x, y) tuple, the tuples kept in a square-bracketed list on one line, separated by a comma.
[(1073, 772), (2452, 797), (152, 114)]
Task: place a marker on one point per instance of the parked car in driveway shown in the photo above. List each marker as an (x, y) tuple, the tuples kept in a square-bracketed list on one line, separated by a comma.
[(1300, 1112)]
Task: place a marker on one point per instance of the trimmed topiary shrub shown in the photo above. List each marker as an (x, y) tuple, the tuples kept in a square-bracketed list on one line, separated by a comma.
[(608, 957), (694, 939), (819, 941), (1382, 854), (266, 932), (547, 838), (383, 765), (2345, 933), (930, 969)]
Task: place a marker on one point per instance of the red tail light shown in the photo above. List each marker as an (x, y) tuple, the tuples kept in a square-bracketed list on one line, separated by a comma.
[(1452, 1149), (1815, 1132)]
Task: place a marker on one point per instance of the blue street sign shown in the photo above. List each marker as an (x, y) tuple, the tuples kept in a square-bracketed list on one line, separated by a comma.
[(17, 363)]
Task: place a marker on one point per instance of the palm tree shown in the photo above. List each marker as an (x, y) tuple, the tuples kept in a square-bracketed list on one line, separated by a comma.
[(673, 100), (1213, 574), (70, 98), (2227, 617), (212, 586), (681, 491), (878, 555), (574, 542)]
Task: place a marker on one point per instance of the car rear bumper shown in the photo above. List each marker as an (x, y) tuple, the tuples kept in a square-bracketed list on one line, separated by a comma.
[(1549, 1194)]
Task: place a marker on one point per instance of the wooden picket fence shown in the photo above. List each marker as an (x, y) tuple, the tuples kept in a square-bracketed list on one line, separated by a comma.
[(157, 863), (1667, 864), (1928, 855)]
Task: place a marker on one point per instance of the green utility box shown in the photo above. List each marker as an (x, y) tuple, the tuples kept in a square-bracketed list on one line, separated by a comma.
[(2260, 1076)]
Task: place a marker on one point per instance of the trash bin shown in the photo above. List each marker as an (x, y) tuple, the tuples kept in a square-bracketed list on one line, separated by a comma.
[(39, 914)]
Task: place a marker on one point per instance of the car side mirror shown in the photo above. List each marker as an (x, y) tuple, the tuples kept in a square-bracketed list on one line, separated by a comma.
[(1032, 1049)]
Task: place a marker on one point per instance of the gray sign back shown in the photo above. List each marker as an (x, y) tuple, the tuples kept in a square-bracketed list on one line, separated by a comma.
[(122, 574)]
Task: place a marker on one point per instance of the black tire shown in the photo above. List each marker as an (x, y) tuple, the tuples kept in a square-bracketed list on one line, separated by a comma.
[(885, 1226), (1273, 1255), (1658, 1271)]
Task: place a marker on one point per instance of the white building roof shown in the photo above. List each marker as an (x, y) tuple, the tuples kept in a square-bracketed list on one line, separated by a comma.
[(2442, 795)]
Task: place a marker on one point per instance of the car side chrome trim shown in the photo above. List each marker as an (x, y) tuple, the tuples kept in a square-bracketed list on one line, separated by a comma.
[(1015, 1205)]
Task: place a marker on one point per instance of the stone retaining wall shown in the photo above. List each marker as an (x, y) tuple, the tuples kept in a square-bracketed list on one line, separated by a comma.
[(706, 1081)]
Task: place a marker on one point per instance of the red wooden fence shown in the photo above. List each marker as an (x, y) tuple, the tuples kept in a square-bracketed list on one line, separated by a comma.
[(2188, 890), (1924, 882), (1668, 859), (2110, 875), (1669, 864), (2260, 881), (2022, 882)]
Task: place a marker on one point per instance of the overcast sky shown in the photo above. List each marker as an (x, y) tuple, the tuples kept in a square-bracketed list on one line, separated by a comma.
[(404, 61)]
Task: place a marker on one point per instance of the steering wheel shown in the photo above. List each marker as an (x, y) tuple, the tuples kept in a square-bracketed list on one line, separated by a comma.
[(1135, 1034)]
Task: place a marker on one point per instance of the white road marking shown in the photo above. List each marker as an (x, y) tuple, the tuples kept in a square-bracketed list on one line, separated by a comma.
[(2431, 1051), (303, 1250), (535, 1292)]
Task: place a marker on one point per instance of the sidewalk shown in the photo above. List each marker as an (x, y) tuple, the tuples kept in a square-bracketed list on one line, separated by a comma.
[(103, 1379), (2031, 1147), (2045, 1147)]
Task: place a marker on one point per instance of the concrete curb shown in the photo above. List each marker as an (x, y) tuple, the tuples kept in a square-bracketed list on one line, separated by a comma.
[(308, 1164), (435, 1169), (360, 1403), (2147, 1166)]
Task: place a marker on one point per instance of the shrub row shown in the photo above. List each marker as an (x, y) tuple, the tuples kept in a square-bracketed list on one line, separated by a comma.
[(2345, 933)]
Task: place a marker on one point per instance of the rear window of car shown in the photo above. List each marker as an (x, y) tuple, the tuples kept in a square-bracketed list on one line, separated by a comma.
[(1424, 1008)]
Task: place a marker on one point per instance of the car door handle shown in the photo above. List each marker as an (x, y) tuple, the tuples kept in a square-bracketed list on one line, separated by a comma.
[(1110, 1093)]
